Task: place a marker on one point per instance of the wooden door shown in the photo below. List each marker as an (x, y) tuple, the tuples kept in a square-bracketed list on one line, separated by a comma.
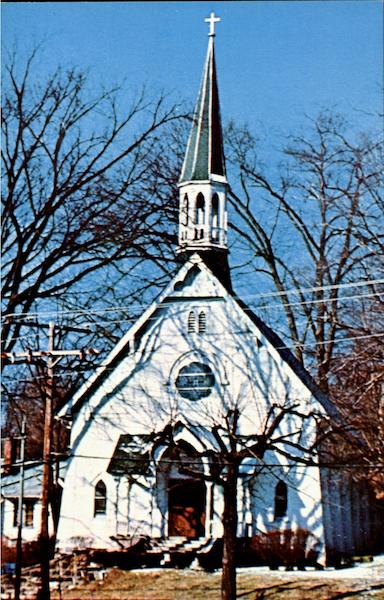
[(186, 508)]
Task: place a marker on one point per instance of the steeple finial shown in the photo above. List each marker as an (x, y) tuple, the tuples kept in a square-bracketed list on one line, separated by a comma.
[(212, 19)]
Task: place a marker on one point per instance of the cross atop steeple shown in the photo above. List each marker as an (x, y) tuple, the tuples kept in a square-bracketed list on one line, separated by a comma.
[(212, 19)]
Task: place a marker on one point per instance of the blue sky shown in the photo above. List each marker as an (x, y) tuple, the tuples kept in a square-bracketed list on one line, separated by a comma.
[(276, 60)]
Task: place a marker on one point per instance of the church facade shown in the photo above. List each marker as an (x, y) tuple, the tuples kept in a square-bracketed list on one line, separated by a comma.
[(149, 423)]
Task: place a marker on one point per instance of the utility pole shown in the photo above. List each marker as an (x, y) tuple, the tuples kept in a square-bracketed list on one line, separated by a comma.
[(20, 512), (45, 549), (51, 354)]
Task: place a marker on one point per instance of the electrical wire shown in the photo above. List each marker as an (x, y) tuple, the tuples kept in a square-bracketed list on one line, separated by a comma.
[(165, 304), (104, 366), (220, 336), (197, 463), (205, 306)]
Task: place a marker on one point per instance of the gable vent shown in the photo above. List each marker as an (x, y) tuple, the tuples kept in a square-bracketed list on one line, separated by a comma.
[(191, 322), (202, 322)]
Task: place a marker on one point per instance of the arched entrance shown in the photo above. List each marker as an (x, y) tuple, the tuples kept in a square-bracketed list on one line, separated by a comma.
[(183, 492)]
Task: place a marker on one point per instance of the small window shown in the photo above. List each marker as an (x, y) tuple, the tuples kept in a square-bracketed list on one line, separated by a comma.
[(184, 211), (28, 512), (215, 217), (202, 322), (191, 322), (100, 498), (200, 209), (281, 499), (28, 507)]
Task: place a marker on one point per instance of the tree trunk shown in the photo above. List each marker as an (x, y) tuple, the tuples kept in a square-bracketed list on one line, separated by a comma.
[(228, 582)]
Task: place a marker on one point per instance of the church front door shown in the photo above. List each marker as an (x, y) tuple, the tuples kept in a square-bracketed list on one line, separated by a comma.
[(186, 508)]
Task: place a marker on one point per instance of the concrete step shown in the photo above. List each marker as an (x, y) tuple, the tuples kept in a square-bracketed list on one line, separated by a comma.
[(184, 546)]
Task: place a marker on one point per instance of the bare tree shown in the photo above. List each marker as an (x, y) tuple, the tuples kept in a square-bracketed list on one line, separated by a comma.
[(87, 223), (232, 449), (79, 194), (313, 230), (357, 389)]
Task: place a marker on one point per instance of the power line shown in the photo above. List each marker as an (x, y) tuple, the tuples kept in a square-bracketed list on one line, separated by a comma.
[(198, 463), (50, 354), (207, 334), (260, 307), (280, 306), (105, 367), (259, 295)]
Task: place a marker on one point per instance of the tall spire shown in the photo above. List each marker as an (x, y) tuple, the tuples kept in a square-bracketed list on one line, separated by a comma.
[(203, 185), (204, 156)]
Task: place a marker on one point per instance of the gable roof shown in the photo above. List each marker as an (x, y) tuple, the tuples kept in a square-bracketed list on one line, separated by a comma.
[(171, 293), (131, 455), (33, 478)]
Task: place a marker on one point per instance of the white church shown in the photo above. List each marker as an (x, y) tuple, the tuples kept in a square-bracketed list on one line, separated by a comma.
[(147, 426)]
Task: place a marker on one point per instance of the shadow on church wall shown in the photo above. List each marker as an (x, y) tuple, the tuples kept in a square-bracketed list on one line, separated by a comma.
[(197, 388)]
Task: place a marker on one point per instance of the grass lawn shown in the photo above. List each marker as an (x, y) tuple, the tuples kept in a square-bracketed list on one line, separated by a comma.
[(172, 584)]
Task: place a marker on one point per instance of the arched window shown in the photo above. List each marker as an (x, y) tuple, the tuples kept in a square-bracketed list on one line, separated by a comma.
[(202, 321), (215, 217), (191, 322), (281, 499), (100, 498), (184, 211), (199, 216)]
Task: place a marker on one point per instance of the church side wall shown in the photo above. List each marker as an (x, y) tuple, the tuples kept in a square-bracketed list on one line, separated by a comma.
[(353, 521)]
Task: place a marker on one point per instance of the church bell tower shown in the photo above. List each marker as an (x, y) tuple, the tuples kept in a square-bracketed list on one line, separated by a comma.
[(203, 184)]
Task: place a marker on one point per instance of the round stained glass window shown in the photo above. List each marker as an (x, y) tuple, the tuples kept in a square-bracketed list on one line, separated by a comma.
[(195, 381)]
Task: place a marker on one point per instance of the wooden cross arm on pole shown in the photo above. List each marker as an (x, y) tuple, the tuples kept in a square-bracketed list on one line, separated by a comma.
[(28, 323), (29, 354)]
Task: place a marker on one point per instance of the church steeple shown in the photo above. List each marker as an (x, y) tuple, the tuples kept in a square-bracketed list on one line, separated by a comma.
[(204, 156), (203, 185)]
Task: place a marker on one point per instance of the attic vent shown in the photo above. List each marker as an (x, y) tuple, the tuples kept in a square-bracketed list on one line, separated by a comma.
[(202, 321), (191, 322)]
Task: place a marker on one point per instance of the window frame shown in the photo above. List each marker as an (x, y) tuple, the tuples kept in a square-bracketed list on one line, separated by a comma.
[(195, 381), (280, 500), (100, 499), (28, 512)]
